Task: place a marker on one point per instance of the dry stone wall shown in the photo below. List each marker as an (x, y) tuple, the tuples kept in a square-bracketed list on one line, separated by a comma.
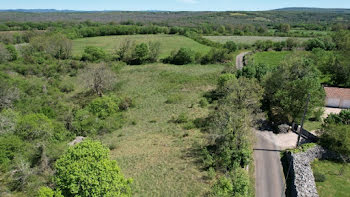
[(303, 181)]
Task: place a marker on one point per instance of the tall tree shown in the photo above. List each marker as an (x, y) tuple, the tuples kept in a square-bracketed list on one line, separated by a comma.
[(287, 88)]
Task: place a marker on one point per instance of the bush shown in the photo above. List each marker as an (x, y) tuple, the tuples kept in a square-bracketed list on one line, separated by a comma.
[(4, 54), (104, 106), (230, 46), (12, 52), (182, 118), (181, 57), (216, 56), (319, 177), (257, 71), (86, 170), (174, 99), (10, 145), (336, 137), (154, 51), (34, 126), (126, 103), (8, 121), (55, 45), (140, 54), (85, 123), (314, 43), (48, 192), (93, 54), (342, 118), (233, 184), (203, 102)]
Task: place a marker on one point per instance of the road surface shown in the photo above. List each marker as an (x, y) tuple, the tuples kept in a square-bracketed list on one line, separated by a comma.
[(239, 60), (269, 178)]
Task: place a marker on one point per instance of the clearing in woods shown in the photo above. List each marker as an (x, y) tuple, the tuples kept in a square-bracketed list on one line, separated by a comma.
[(158, 154), (168, 43)]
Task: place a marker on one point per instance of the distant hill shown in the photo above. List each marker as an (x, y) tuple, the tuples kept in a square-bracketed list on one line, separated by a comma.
[(37, 10), (308, 9)]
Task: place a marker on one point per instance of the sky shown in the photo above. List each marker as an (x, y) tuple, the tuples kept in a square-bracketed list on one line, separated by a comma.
[(170, 5)]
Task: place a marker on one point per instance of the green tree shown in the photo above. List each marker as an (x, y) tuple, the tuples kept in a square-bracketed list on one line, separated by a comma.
[(181, 57), (231, 46), (140, 54), (93, 54), (287, 88), (285, 28), (87, 170)]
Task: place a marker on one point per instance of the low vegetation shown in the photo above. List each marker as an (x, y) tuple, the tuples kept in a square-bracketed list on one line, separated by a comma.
[(328, 181)]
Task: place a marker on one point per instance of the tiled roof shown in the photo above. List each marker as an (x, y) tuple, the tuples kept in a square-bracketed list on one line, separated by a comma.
[(333, 92)]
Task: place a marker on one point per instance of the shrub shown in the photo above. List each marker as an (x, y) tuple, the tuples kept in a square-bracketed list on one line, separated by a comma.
[(342, 118), (9, 146), (99, 78), (181, 57), (182, 118), (233, 184), (230, 46), (154, 51), (336, 137), (140, 54), (67, 87), (174, 99), (93, 54), (8, 121), (85, 123), (34, 126), (126, 103), (211, 173), (87, 170), (4, 54), (319, 177), (55, 45), (314, 43), (257, 71), (12, 52), (216, 56), (291, 43), (203, 102), (104, 106), (48, 192)]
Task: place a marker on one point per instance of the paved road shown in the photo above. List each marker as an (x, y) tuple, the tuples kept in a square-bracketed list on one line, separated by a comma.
[(239, 60), (269, 176)]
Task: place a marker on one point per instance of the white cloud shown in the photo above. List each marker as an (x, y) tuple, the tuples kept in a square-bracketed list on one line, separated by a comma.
[(188, 1)]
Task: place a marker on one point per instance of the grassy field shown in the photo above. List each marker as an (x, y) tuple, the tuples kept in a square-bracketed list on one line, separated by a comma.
[(168, 43), (248, 39), (335, 185), (273, 58), (270, 58), (158, 154)]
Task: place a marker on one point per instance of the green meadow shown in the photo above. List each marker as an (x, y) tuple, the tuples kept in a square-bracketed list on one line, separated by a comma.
[(168, 43)]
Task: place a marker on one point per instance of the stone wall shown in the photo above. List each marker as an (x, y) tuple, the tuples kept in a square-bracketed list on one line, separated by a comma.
[(303, 181)]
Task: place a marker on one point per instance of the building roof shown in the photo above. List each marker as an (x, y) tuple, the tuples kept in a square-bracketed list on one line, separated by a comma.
[(333, 92)]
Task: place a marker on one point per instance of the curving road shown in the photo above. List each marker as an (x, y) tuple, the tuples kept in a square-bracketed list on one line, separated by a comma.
[(239, 60), (269, 178)]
